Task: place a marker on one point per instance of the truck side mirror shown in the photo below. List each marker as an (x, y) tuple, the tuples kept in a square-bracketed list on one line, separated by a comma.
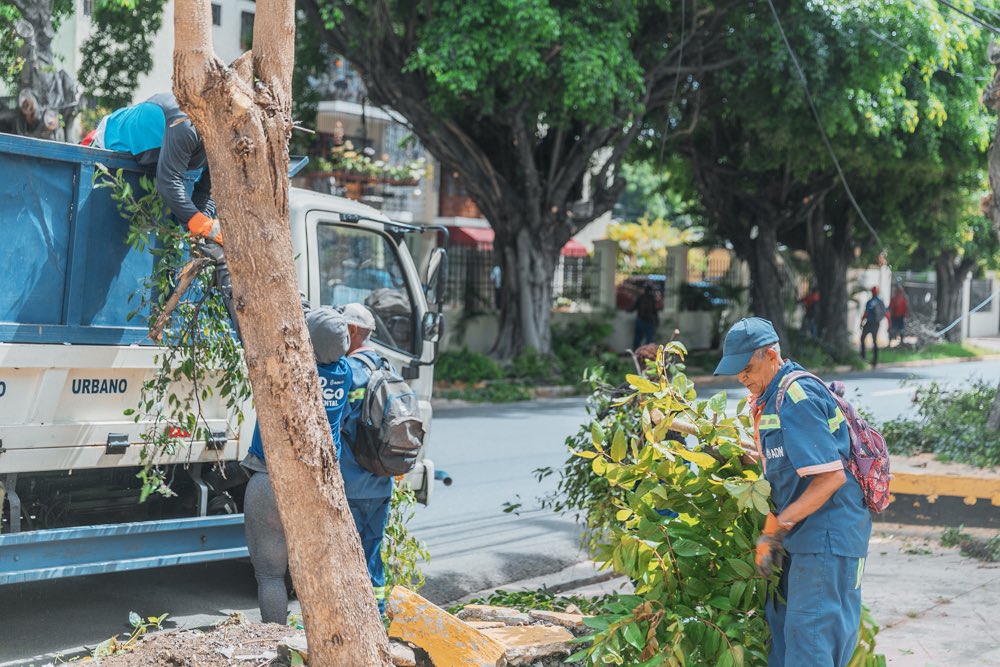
[(437, 277), (431, 326)]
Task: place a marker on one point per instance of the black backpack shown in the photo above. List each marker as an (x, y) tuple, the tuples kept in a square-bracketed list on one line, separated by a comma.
[(390, 432)]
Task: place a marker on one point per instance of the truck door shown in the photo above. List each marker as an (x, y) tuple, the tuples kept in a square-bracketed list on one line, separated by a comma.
[(359, 262)]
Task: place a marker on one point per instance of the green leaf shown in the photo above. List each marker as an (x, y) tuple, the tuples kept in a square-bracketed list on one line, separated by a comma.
[(742, 568), (134, 619), (700, 459), (586, 454), (599, 466), (717, 403), (642, 385), (688, 548), (633, 635), (622, 515), (618, 446), (597, 436), (760, 503)]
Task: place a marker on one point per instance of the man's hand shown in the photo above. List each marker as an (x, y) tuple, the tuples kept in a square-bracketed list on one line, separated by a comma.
[(205, 227), (770, 550)]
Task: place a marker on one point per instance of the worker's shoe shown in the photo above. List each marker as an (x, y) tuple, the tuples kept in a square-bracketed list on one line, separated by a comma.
[(205, 227)]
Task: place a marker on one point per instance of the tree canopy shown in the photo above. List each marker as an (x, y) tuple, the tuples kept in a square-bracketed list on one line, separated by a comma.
[(534, 103)]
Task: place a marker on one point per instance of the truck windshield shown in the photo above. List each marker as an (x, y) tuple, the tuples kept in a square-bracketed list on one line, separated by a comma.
[(359, 265)]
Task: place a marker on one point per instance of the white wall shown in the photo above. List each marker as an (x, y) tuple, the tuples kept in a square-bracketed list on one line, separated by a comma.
[(75, 30), (986, 321)]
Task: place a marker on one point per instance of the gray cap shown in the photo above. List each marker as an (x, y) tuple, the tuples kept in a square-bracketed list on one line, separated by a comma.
[(358, 315), (328, 331)]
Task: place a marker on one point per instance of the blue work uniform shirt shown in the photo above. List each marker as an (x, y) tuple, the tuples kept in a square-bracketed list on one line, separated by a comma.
[(335, 382), (811, 436), (359, 484)]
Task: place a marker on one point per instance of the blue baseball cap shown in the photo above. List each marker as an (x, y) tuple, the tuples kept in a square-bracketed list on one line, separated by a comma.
[(747, 335)]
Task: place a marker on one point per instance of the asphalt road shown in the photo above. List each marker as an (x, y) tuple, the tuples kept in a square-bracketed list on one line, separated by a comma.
[(491, 452)]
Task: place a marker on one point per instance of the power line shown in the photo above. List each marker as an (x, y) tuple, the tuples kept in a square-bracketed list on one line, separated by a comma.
[(975, 19), (822, 131), (836, 162)]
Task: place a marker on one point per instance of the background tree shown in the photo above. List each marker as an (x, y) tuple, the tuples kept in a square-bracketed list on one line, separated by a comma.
[(117, 52), (243, 114), (534, 104), (877, 74), (47, 96)]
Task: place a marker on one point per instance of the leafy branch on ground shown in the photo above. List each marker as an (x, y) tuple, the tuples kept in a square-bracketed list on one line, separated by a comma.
[(950, 423), (200, 360), (987, 550), (541, 599), (122, 644)]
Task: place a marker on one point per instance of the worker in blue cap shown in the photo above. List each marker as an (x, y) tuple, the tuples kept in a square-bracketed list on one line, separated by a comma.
[(820, 526)]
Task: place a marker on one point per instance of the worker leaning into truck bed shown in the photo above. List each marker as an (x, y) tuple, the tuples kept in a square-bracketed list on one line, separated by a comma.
[(161, 136)]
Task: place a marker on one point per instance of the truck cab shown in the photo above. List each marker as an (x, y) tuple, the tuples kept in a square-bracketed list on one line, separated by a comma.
[(72, 361)]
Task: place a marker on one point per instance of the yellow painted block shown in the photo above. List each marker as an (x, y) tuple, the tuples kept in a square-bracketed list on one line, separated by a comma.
[(934, 486), (447, 640)]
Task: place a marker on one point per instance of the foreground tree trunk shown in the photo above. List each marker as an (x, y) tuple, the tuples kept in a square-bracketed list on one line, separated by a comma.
[(243, 114), (951, 274)]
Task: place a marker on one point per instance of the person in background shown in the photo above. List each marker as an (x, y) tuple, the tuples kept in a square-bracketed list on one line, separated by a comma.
[(264, 532), (899, 310), (820, 526), (810, 304), (368, 495), (871, 322), (647, 316)]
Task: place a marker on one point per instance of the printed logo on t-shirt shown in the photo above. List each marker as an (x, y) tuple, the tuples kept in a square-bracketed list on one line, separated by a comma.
[(774, 453), (333, 395)]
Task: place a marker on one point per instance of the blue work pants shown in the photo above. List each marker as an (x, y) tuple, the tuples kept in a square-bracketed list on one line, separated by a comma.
[(370, 517), (817, 624)]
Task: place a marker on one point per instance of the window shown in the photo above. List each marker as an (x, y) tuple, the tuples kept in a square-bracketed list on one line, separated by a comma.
[(246, 31), (88, 7), (216, 14), (358, 265)]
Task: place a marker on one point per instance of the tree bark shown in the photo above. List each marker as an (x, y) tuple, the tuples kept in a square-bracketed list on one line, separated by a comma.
[(761, 254), (527, 268), (951, 274), (830, 255), (243, 114)]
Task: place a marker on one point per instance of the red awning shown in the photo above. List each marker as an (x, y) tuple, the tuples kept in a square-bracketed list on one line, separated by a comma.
[(481, 238), (574, 248)]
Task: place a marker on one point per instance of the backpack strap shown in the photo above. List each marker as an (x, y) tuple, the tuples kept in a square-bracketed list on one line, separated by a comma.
[(366, 360), (797, 393)]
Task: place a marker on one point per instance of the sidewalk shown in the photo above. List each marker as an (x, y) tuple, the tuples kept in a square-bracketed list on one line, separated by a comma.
[(935, 607)]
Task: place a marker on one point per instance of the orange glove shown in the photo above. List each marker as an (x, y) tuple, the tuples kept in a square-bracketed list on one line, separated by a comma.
[(769, 548), (205, 227)]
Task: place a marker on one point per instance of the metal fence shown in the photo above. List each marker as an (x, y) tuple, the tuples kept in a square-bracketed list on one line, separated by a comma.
[(472, 280)]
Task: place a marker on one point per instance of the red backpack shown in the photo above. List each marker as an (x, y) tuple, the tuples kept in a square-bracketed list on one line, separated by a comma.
[(869, 458)]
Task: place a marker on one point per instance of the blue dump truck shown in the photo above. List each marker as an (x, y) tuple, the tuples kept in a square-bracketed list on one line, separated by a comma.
[(71, 363)]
